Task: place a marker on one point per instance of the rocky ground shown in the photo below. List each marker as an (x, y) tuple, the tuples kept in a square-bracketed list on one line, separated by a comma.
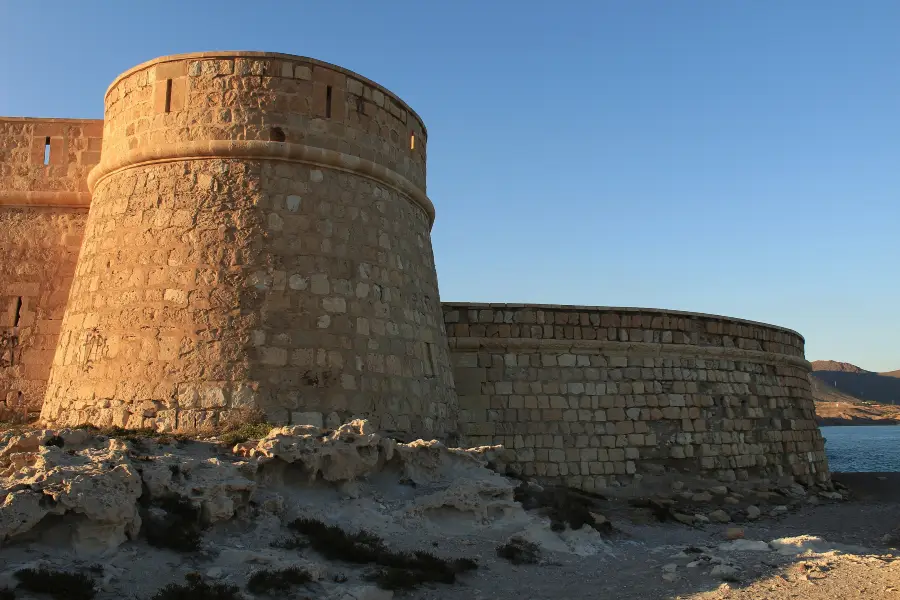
[(88, 514)]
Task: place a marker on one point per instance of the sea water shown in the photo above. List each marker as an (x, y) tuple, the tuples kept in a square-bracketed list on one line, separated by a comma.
[(855, 448)]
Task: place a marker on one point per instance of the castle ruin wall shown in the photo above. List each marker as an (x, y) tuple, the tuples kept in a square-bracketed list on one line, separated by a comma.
[(44, 202), (593, 395), (247, 234)]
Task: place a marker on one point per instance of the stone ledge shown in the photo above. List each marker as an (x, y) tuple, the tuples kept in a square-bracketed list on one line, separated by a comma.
[(626, 348), (17, 199), (620, 309), (263, 150)]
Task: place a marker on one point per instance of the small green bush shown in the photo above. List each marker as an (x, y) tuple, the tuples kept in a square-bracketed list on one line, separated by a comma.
[(266, 582), (197, 589), (59, 585), (519, 551), (401, 570), (289, 543), (178, 530), (247, 431)]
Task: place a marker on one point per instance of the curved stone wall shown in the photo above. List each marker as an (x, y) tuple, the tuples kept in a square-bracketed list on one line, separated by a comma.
[(259, 238), (595, 394)]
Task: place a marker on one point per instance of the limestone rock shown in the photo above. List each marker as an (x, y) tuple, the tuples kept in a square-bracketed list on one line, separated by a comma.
[(683, 518), (719, 516), (350, 451), (725, 573), (99, 484), (218, 488), (485, 498), (742, 545)]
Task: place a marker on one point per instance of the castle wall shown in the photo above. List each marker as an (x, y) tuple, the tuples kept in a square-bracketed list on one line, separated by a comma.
[(259, 239), (592, 395), (43, 208)]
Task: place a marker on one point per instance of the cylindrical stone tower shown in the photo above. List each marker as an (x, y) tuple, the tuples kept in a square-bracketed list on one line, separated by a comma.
[(258, 239)]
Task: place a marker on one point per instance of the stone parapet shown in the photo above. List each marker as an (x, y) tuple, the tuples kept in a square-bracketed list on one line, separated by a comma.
[(264, 96)]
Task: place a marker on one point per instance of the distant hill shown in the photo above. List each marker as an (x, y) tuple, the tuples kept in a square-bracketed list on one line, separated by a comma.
[(845, 379), (833, 365)]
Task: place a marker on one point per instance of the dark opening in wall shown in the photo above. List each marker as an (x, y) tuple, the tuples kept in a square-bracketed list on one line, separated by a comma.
[(47, 150), (168, 95), (276, 134), (18, 314), (328, 102)]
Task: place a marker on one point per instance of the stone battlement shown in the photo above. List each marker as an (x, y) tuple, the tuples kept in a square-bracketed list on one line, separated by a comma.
[(258, 244)]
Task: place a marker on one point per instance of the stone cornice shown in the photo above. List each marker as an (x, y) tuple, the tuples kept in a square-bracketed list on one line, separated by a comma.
[(470, 344), (262, 150), (662, 312), (25, 199)]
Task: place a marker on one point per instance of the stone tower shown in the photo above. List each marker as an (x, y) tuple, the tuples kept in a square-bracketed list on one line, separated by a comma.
[(258, 240)]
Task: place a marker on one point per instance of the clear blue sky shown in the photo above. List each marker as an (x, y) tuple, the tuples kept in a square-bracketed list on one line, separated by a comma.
[(739, 158)]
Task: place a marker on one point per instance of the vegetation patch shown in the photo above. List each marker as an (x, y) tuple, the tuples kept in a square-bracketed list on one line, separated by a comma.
[(244, 432), (178, 530), (195, 588), (136, 435), (7, 594), (400, 570), (56, 584), (267, 582), (289, 543), (563, 506), (519, 551)]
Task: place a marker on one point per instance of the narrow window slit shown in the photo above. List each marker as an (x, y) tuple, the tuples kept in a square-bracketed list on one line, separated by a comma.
[(168, 95), (47, 150), (18, 314), (328, 102), (412, 141)]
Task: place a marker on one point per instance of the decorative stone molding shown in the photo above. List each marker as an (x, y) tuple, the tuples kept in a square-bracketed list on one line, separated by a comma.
[(262, 150), (24, 199)]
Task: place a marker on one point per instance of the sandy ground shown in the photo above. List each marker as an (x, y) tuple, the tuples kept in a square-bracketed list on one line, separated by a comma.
[(851, 562), (824, 548), (640, 561)]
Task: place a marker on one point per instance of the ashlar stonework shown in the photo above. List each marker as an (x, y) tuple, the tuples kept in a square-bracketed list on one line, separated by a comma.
[(247, 235)]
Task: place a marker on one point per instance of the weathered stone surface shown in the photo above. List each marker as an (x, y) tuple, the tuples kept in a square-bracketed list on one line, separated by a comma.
[(98, 484), (94, 485), (598, 395), (300, 212), (720, 516)]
